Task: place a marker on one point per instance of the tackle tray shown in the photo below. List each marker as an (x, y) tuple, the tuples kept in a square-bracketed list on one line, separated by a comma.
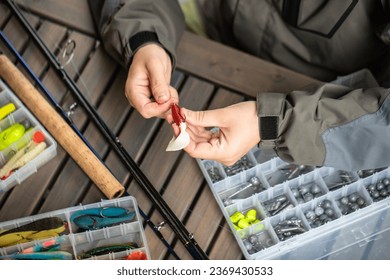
[(20, 114), (290, 202), (79, 241)]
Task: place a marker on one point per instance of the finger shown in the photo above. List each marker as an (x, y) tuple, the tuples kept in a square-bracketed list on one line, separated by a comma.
[(209, 118), (199, 134), (205, 150), (159, 83)]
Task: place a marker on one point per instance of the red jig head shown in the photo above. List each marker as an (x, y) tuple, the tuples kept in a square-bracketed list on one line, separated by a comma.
[(177, 117)]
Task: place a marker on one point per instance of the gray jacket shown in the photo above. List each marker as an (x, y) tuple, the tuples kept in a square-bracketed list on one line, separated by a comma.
[(330, 125)]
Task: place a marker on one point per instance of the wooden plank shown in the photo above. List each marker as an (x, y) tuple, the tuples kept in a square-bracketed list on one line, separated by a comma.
[(72, 13), (14, 33), (4, 14), (72, 178), (233, 69)]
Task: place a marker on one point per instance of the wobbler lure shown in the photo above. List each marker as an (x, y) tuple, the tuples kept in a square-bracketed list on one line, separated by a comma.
[(181, 141)]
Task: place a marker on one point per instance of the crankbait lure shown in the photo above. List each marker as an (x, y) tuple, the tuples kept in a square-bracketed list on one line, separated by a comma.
[(181, 141), (104, 250)]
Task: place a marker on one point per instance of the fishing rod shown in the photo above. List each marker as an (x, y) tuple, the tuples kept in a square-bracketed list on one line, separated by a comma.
[(176, 225), (66, 117)]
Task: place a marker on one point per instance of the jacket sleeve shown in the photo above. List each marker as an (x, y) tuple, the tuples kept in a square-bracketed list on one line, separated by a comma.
[(330, 125), (124, 26)]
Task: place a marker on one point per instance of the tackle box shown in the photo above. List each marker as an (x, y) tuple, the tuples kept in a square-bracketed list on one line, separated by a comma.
[(302, 212), (79, 241), (21, 114)]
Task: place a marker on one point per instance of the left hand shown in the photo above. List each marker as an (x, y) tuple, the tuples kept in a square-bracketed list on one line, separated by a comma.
[(238, 132)]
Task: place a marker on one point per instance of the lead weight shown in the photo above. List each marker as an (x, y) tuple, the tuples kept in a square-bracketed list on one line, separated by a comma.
[(248, 245), (319, 211), (361, 202), (383, 193), (353, 197), (380, 186), (326, 203), (315, 189), (329, 212), (308, 196)]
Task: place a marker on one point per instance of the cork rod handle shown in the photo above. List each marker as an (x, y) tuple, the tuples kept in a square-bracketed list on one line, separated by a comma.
[(60, 130)]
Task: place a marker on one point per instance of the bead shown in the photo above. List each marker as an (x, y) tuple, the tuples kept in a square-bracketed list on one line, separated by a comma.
[(251, 215), (236, 217), (243, 223), (386, 182)]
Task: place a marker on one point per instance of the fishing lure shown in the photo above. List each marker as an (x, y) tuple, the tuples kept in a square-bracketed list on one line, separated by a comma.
[(96, 218), (25, 155), (181, 141), (137, 255), (13, 133), (49, 245), (51, 255), (104, 250), (40, 229), (6, 110)]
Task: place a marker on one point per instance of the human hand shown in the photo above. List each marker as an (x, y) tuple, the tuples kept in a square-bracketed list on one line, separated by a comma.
[(147, 86), (238, 132)]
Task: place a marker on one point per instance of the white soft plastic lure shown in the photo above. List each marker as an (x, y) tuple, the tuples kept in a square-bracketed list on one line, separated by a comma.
[(183, 139)]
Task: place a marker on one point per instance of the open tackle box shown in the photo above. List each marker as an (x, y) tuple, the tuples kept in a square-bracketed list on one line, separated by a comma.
[(19, 114), (109, 241), (277, 210)]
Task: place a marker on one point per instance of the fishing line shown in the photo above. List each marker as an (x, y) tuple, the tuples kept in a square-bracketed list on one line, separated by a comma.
[(176, 225)]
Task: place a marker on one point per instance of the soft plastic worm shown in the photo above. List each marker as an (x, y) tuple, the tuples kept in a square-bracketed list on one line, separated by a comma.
[(183, 139)]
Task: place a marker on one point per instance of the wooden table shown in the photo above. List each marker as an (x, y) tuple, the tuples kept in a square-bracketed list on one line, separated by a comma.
[(208, 75)]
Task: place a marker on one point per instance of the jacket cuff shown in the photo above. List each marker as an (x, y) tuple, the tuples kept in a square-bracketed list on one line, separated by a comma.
[(142, 38), (269, 111)]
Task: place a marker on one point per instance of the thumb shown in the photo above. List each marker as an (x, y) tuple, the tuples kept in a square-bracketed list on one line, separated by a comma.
[(207, 118), (159, 85)]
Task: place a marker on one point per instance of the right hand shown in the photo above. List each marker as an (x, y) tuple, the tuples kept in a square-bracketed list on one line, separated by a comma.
[(147, 86)]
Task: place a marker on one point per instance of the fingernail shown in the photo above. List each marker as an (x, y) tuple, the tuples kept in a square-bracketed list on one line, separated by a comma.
[(162, 97)]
